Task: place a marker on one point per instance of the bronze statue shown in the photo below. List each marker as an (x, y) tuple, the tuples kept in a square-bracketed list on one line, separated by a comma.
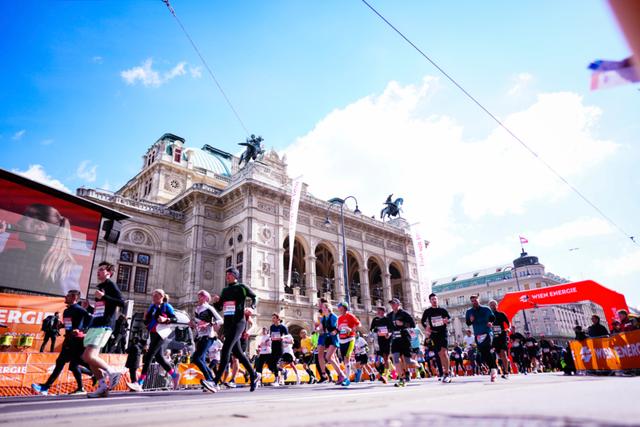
[(392, 208), (253, 150)]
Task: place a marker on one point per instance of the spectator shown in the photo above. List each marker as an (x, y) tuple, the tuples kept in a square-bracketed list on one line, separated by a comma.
[(625, 321), (597, 329), (50, 327), (580, 335), (617, 328)]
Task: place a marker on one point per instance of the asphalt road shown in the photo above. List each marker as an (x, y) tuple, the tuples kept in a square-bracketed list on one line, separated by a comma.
[(534, 400)]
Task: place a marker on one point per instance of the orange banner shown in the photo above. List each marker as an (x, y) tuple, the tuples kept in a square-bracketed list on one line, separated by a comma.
[(23, 314), (618, 352), (19, 370)]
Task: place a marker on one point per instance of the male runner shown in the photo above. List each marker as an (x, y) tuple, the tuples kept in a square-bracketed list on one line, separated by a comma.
[(500, 341), (435, 320), (382, 327), (481, 318), (401, 343), (108, 299), (232, 303), (75, 319)]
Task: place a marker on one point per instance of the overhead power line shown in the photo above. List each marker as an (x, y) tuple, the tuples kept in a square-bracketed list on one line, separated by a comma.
[(204, 62), (503, 126)]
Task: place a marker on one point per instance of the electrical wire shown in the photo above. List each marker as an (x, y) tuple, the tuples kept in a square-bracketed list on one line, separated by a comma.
[(503, 126), (204, 62)]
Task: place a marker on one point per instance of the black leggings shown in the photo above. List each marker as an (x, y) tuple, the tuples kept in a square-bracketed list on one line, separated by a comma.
[(232, 335), (260, 361), (155, 351), (273, 361), (488, 356), (71, 353)]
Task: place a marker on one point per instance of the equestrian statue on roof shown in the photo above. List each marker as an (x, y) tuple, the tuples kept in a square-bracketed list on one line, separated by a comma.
[(392, 208), (253, 151)]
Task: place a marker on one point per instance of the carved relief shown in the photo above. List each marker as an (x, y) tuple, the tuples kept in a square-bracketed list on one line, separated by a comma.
[(266, 207), (394, 246), (209, 240), (375, 240)]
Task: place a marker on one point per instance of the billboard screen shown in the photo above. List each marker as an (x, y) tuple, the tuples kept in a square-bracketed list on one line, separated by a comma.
[(46, 243)]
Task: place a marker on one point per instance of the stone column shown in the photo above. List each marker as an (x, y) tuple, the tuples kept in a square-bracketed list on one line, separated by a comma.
[(310, 277), (364, 289), (386, 287)]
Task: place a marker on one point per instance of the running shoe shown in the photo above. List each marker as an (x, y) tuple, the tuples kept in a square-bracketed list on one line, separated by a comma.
[(209, 386), (400, 383), (100, 392), (134, 387), (446, 379), (231, 384), (254, 383), (275, 384), (322, 379), (345, 383), (493, 374), (175, 379), (78, 392), (504, 376), (383, 379), (41, 389), (114, 378)]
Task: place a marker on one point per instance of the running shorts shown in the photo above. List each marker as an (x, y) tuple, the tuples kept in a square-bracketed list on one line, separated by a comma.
[(439, 341), (346, 349), (362, 359), (384, 345)]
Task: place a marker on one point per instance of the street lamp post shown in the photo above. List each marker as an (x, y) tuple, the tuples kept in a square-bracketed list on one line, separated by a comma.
[(524, 313), (340, 202)]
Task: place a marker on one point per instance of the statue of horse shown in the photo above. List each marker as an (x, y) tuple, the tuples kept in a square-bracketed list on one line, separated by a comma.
[(392, 208), (254, 149)]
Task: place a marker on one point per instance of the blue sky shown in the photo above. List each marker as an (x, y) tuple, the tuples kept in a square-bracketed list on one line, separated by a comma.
[(87, 86)]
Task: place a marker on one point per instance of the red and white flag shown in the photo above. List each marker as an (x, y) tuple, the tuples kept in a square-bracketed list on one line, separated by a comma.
[(607, 74), (523, 240)]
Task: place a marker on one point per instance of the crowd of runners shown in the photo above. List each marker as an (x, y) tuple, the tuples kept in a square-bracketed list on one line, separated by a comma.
[(396, 350)]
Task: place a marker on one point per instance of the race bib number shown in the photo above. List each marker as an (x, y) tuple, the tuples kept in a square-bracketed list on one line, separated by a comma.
[(480, 338), (497, 329), (516, 344), (529, 344), (99, 309), (304, 350), (396, 334), (229, 308), (275, 336), (67, 324), (412, 334), (265, 350), (382, 331), (437, 321), (432, 354), (545, 350), (343, 330)]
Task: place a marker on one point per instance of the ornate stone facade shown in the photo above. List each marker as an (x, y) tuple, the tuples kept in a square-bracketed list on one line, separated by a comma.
[(194, 216)]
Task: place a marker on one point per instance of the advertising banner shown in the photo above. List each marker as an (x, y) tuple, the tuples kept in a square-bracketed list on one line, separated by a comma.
[(19, 370), (618, 352), (23, 315), (296, 187), (46, 243)]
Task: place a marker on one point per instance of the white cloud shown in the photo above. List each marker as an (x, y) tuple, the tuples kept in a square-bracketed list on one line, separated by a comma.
[(520, 83), (487, 256), (37, 173), (386, 143), (623, 265), (149, 77), (196, 72), (582, 227), (97, 59), (18, 135), (86, 171), (47, 142)]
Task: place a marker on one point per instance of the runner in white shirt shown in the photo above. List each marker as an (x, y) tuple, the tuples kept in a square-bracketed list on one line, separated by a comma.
[(214, 354), (264, 352), (468, 340), (288, 359), (361, 352)]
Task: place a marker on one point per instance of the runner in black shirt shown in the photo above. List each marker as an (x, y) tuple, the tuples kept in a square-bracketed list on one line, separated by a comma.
[(531, 347), (108, 299), (500, 341), (401, 341), (75, 320), (276, 332), (382, 327), (232, 304), (517, 349), (435, 320)]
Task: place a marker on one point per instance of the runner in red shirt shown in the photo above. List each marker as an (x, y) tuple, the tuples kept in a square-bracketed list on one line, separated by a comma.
[(347, 325)]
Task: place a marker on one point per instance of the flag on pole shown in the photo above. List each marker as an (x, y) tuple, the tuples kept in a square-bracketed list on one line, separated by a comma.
[(608, 74), (523, 240), (296, 187)]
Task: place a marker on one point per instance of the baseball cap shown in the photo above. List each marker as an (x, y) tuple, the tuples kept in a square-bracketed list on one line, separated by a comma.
[(395, 301), (235, 272)]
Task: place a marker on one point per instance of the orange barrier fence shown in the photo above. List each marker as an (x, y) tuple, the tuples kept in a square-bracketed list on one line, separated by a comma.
[(19, 370), (616, 353)]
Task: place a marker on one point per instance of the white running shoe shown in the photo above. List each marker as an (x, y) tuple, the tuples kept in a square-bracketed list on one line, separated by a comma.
[(275, 384), (101, 391), (494, 374), (114, 378), (135, 387)]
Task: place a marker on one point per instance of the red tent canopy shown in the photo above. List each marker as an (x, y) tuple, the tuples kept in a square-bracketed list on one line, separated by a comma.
[(586, 290)]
